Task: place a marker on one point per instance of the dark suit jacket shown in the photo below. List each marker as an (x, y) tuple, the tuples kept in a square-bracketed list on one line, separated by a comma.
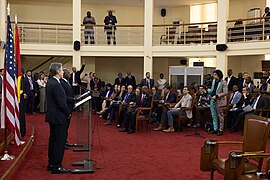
[(240, 84), (26, 89), (262, 104), (77, 76), (57, 109), (93, 84), (122, 83), (69, 93), (144, 83), (131, 81), (110, 20), (157, 96), (171, 98), (145, 103), (232, 82)]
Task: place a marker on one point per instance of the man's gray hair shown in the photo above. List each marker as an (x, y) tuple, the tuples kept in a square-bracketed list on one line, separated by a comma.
[(54, 67)]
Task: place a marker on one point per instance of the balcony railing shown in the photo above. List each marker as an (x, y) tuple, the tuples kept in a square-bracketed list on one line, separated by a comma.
[(249, 30), (125, 35), (185, 34), (45, 33)]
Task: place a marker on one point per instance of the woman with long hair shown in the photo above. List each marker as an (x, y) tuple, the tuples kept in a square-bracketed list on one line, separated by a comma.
[(42, 81)]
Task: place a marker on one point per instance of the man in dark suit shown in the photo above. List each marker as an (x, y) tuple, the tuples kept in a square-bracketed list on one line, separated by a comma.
[(75, 79), (22, 105), (147, 81), (240, 81), (130, 79), (110, 27), (56, 116), (144, 100), (131, 97), (30, 91), (70, 98), (258, 102), (120, 80), (231, 80), (169, 97)]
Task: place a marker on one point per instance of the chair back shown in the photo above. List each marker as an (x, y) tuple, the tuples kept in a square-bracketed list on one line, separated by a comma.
[(256, 133)]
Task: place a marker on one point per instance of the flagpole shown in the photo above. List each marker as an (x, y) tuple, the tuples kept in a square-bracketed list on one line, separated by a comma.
[(6, 155)]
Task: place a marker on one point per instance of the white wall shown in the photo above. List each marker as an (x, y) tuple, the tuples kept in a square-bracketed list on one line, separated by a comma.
[(239, 8), (248, 64)]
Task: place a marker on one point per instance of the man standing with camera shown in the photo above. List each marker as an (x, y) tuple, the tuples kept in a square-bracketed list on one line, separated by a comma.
[(110, 28)]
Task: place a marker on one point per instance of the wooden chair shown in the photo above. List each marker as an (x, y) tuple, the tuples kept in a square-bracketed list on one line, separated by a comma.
[(236, 166), (256, 133), (181, 116), (170, 35), (146, 118), (265, 112)]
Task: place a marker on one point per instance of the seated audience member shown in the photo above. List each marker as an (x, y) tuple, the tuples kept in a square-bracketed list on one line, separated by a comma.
[(156, 96), (208, 81), (235, 104), (143, 100), (95, 82), (130, 79), (265, 87), (129, 98), (120, 97), (107, 97), (186, 101), (258, 102), (147, 81), (120, 80), (249, 84), (201, 105), (231, 80), (169, 97)]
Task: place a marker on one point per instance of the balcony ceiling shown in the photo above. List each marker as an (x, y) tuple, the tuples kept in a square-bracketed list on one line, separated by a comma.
[(157, 3)]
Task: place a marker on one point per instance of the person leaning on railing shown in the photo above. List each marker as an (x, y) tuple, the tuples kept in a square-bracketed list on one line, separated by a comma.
[(89, 30), (110, 28)]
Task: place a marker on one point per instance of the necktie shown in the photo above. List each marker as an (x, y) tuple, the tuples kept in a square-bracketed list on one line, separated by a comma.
[(31, 84), (142, 100), (126, 96), (232, 97)]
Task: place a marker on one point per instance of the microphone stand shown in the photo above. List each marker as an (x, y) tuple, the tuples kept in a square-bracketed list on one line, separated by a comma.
[(196, 127)]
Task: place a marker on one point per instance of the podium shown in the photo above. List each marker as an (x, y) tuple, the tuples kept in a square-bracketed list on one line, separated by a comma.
[(83, 113)]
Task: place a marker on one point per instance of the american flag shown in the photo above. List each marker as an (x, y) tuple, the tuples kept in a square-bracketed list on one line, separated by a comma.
[(11, 106)]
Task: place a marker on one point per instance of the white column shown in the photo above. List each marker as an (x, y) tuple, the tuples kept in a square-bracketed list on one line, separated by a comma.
[(223, 14), (3, 7), (148, 25), (76, 60)]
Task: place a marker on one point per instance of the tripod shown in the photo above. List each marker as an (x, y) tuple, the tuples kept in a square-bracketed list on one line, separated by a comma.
[(196, 129)]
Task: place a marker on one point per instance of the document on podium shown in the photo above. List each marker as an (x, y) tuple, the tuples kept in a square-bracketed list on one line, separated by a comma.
[(77, 104)]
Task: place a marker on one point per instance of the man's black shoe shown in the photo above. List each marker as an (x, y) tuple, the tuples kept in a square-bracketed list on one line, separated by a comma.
[(123, 130), (220, 133), (212, 132), (60, 170), (131, 132), (49, 167)]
